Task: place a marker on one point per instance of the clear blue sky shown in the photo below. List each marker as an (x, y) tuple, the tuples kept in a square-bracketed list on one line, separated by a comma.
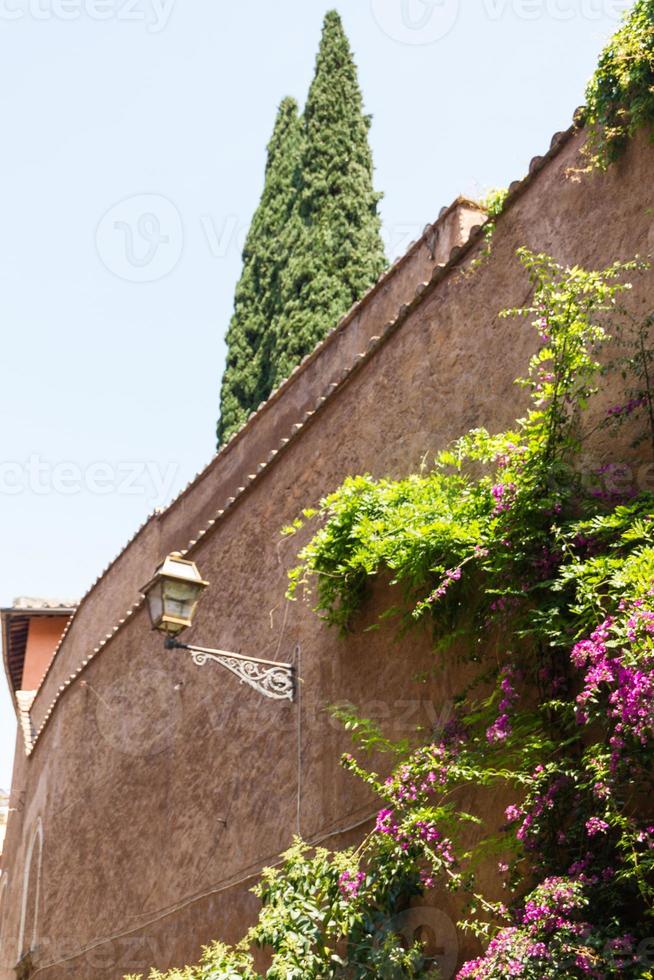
[(134, 140)]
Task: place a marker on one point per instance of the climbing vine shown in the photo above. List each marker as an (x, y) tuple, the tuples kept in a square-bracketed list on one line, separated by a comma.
[(493, 202), (544, 583), (530, 552), (620, 96)]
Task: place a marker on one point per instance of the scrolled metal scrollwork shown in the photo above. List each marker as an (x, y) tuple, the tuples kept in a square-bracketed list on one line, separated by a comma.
[(275, 681)]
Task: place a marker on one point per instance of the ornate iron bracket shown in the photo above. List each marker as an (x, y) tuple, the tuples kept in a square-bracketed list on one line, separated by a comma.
[(268, 677)]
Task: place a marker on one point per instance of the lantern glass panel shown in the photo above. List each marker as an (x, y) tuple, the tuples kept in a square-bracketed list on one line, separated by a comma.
[(180, 598), (155, 603)]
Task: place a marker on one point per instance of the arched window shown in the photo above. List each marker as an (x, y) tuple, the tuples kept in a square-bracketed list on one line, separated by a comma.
[(29, 913)]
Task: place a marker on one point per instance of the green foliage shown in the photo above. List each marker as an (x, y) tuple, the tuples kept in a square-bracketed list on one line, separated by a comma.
[(550, 590), (636, 365), (620, 96), (314, 245), (427, 527), (333, 238), (502, 538), (246, 381), (494, 201), (322, 918)]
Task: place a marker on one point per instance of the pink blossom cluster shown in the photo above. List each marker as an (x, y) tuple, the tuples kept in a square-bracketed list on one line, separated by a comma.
[(452, 575), (507, 951), (509, 455), (646, 836), (427, 772), (595, 826), (578, 869), (428, 768), (544, 378), (547, 936), (618, 488), (504, 496), (624, 677), (419, 834), (628, 408), (551, 903), (505, 603), (350, 884), (543, 328), (547, 563), (543, 801), (640, 623), (512, 455), (501, 728)]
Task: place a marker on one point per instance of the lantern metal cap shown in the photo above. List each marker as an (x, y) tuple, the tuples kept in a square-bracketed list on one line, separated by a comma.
[(174, 566)]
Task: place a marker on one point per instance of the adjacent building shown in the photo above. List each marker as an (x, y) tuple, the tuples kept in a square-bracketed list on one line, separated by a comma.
[(4, 816)]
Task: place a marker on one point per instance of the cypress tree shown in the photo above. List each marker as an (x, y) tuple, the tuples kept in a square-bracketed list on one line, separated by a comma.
[(246, 381), (333, 239)]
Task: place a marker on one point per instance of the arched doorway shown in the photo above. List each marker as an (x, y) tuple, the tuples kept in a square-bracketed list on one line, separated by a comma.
[(29, 913)]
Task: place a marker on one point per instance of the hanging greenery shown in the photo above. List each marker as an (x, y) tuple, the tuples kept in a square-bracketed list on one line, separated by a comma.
[(504, 538), (565, 572), (620, 96)]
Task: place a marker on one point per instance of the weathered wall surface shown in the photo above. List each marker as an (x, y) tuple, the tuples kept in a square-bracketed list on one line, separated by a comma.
[(231, 469), (157, 790)]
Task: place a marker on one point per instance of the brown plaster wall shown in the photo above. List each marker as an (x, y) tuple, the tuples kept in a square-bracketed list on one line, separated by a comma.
[(103, 607), (162, 787)]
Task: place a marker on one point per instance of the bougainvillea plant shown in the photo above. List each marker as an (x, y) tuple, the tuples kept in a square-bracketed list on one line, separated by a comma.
[(532, 551), (503, 539)]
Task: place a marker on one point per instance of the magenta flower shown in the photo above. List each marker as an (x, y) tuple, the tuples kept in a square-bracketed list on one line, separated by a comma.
[(596, 826), (504, 496), (452, 575), (385, 822), (350, 884), (501, 728)]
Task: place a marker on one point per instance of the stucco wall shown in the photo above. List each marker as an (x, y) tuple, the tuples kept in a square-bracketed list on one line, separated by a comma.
[(162, 788), (108, 601)]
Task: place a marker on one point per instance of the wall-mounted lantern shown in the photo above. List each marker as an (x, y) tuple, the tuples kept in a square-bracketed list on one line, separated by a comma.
[(172, 596)]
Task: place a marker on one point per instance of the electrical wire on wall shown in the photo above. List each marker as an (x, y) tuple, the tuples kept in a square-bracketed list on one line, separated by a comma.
[(251, 874), (297, 661)]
